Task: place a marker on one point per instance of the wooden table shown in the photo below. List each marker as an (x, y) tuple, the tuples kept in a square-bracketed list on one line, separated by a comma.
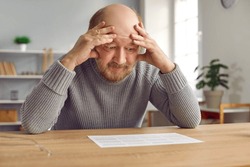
[(224, 145)]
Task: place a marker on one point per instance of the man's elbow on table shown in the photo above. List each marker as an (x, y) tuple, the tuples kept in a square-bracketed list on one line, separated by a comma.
[(32, 129), (191, 123)]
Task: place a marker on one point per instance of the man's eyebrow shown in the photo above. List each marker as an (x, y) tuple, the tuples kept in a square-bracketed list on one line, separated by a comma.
[(111, 43)]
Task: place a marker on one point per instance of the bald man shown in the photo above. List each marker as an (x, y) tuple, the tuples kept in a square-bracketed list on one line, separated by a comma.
[(104, 81)]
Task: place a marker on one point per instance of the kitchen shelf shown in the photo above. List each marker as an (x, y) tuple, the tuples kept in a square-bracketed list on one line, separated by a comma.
[(28, 68), (10, 123), (11, 101), (20, 76)]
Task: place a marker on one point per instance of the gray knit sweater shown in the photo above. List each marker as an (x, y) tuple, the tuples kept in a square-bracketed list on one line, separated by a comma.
[(83, 99)]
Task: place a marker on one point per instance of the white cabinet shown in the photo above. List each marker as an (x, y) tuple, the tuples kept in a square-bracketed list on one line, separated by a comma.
[(28, 66)]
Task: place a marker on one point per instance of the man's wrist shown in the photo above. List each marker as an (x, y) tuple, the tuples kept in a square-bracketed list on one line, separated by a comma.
[(68, 63), (167, 68)]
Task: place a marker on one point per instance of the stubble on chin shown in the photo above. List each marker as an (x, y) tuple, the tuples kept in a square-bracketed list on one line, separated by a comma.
[(111, 75)]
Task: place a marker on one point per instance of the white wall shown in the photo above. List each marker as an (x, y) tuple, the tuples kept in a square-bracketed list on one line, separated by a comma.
[(226, 35), (49, 23)]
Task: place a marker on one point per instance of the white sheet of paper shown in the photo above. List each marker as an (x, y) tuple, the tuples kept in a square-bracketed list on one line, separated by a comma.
[(105, 141)]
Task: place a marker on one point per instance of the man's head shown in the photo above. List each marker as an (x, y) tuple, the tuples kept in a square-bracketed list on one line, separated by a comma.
[(117, 59), (112, 11)]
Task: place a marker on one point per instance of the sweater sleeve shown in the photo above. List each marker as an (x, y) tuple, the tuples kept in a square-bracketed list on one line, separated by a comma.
[(42, 106), (173, 96)]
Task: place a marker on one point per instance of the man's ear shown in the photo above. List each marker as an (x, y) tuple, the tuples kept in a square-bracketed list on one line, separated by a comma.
[(94, 53)]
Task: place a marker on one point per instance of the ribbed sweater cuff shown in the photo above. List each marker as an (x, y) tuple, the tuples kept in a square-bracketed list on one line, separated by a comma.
[(58, 78), (174, 81)]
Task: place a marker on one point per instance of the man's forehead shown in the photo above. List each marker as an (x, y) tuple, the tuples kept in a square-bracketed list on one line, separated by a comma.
[(123, 39)]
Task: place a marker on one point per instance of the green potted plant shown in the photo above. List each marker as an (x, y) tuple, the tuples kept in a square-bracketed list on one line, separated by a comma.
[(22, 41), (211, 76)]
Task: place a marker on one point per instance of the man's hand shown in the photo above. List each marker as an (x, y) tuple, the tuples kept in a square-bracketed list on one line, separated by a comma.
[(154, 55), (86, 43)]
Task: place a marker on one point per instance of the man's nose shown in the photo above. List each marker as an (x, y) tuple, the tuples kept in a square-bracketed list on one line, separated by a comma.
[(120, 56)]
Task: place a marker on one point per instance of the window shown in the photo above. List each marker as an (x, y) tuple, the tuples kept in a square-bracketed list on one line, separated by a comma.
[(186, 38)]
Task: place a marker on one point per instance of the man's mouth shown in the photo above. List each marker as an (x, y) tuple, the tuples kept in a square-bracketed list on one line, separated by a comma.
[(117, 66)]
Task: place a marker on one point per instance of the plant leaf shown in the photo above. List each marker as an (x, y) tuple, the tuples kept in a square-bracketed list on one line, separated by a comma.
[(196, 68)]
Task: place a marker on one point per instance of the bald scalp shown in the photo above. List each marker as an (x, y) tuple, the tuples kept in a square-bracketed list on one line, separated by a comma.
[(115, 10)]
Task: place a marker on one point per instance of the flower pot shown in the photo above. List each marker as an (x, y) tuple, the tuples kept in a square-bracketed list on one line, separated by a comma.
[(23, 47), (213, 98)]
